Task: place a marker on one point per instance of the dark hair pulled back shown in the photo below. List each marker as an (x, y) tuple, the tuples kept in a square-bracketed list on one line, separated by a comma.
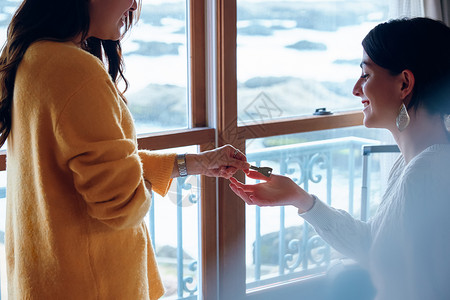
[(421, 45)]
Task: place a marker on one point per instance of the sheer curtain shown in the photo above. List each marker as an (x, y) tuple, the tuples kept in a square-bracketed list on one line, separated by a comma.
[(406, 8), (445, 12), (435, 9)]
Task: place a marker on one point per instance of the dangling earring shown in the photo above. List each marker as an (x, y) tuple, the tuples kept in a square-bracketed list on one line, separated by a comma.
[(402, 120), (447, 122)]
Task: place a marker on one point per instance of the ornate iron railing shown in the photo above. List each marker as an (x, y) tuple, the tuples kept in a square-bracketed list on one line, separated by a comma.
[(186, 287), (312, 163)]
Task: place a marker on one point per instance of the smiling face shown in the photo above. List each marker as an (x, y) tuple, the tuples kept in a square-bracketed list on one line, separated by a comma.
[(381, 94), (108, 17)]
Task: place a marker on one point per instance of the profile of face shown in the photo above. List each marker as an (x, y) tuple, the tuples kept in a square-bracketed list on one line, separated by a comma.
[(108, 17), (381, 94)]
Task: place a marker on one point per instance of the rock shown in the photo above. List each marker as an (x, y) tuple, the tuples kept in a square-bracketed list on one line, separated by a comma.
[(255, 30), (161, 104), (154, 48), (308, 46)]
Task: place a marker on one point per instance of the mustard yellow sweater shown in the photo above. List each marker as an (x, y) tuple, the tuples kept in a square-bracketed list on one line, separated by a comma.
[(76, 197)]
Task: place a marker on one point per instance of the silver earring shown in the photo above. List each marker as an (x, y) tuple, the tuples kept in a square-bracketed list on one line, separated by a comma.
[(447, 122), (402, 120)]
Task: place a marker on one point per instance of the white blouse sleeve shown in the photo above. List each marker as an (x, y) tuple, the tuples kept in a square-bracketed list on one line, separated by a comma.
[(340, 230)]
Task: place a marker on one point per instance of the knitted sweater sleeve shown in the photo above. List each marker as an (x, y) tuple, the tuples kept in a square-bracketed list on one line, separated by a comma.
[(97, 144), (158, 170)]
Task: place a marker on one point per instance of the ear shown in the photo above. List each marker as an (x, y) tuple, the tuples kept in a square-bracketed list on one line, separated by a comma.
[(408, 82)]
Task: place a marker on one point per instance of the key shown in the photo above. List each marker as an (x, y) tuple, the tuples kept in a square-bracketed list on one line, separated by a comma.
[(266, 171)]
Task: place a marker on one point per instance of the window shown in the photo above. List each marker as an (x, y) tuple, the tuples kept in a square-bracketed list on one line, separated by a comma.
[(7, 8), (326, 163), (174, 226), (249, 73), (2, 235), (292, 57), (155, 53), (169, 107), (301, 55)]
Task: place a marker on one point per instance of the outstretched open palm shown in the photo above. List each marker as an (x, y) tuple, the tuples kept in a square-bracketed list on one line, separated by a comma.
[(276, 190)]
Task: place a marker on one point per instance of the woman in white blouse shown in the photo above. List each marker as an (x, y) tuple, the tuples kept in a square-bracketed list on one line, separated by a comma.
[(405, 88)]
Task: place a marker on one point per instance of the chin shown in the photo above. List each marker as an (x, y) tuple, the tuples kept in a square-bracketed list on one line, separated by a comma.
[(111, 37), (367, 122)]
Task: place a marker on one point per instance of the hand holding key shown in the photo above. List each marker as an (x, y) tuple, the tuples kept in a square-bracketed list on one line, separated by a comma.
[(266, 171)]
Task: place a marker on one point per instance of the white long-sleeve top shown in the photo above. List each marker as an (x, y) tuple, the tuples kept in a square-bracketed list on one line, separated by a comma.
[(407, 242)]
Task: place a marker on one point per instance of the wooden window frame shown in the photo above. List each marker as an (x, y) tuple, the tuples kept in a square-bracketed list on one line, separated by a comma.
[(231, 210), (223, 273)]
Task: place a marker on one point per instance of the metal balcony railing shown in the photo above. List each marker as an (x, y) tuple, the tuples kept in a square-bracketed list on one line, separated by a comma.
[(311, 165)]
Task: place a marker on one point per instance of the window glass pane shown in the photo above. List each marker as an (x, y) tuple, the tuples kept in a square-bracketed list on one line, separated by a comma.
[(325, 163), (300, 55), (174, 224), (378, 167), (7, 9), (156, 63), (3, 289)]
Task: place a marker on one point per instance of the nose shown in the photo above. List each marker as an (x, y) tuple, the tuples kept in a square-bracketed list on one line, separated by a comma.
[(357, 89)]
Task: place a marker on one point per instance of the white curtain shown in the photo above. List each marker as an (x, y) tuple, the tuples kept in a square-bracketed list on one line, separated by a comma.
[(445, 9), (406, 8), (434, 9), (416, 8)]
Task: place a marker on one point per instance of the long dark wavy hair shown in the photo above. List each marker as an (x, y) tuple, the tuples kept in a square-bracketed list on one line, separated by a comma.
[(59, 20)]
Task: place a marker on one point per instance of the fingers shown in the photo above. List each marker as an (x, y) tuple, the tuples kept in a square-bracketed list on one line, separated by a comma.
[(238, 159), (225, 156), (238, 163), (247, 196), (227, 172), (237, 154), (250, 188), (235, 181), (256, 175), (224, 172), (241, 193)]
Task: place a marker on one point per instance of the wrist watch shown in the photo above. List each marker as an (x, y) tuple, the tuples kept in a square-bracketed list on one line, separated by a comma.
[(181, 164)]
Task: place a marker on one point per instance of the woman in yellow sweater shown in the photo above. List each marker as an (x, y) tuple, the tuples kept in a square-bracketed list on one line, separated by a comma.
[(77, 186)]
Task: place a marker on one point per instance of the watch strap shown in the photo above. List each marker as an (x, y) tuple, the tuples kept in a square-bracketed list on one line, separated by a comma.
[(181, 164)]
